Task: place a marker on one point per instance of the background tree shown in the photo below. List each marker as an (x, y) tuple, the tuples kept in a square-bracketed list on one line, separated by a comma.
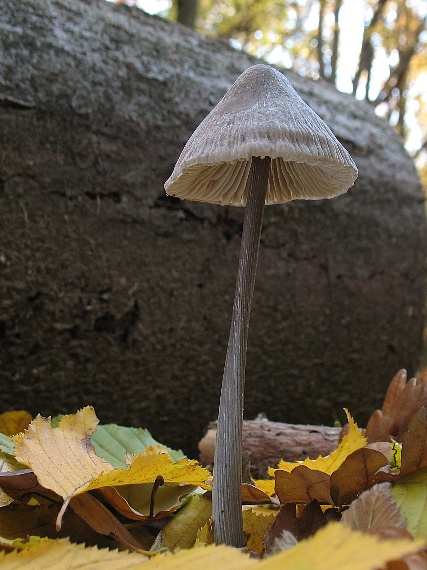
[(389, 72)]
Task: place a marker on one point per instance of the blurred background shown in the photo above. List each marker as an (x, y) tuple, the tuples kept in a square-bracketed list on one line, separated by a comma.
[(374, 49)]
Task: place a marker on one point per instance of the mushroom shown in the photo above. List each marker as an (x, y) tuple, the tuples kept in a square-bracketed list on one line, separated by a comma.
[(261, 144)]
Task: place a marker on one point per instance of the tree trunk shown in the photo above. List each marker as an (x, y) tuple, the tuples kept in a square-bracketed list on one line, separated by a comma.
[(114, 295), (187, 12)]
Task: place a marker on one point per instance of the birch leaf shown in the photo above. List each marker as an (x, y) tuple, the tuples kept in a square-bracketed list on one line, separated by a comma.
[(113, 443), (61, 554), (62, 458), (351, 442), (255, 525), (6, 444), (336, 546), (14, 422)]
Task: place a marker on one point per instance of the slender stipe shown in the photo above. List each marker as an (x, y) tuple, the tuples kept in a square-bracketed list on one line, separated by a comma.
[(227, 493)]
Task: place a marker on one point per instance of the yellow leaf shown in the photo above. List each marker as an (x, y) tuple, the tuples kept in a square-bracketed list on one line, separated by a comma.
[(203, 558), (351, 442), (205, 534), (45, 554), (8, 464), (14, 422), (338, 547), (62, 458), (148, 464), (265, 485), (255, 525), (182, 530)]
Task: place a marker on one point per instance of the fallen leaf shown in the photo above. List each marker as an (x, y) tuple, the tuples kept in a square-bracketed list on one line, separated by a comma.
[(306, 524), (182, 530), (60, 554), (202, 558), (14, 422), (255, 525), (401, 402), (337, 547), (6, 444), (375, 507), (356, 474), (414, 443), (259, 492), (134, 501), (410, 493), (62, 458), (98, 517), (303, 485), (114, 443), (146, 466), (351, 442)]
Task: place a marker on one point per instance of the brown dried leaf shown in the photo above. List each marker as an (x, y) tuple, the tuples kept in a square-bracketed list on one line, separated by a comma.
[(251, 495), (355, 475), (374, 508), (414, 444), (401, 402), (303, 485), (96, 515), (310, 520)]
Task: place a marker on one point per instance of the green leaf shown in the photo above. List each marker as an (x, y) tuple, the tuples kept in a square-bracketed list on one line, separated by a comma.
[(181, 531), (411, 497), (6, 444), (112, 442)]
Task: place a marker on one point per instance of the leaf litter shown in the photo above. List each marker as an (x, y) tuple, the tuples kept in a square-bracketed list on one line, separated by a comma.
[(122, 484)]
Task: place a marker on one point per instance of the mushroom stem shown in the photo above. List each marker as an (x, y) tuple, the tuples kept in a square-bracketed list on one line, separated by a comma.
[(227, 489)]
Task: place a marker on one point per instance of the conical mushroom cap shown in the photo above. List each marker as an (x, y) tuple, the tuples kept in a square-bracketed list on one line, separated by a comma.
[(261, 115)]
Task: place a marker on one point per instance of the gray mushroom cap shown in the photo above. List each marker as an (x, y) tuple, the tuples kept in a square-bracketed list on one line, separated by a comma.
[(261, 115)]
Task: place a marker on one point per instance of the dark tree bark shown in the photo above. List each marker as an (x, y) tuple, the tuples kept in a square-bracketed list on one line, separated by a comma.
[(366, 53), (187, 12), (115, 295)]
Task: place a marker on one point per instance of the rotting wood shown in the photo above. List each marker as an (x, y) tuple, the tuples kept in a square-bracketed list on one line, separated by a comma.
[(267, 442)]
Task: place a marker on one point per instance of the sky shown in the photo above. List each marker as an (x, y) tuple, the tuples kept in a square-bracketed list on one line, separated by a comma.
[(351, 24)]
